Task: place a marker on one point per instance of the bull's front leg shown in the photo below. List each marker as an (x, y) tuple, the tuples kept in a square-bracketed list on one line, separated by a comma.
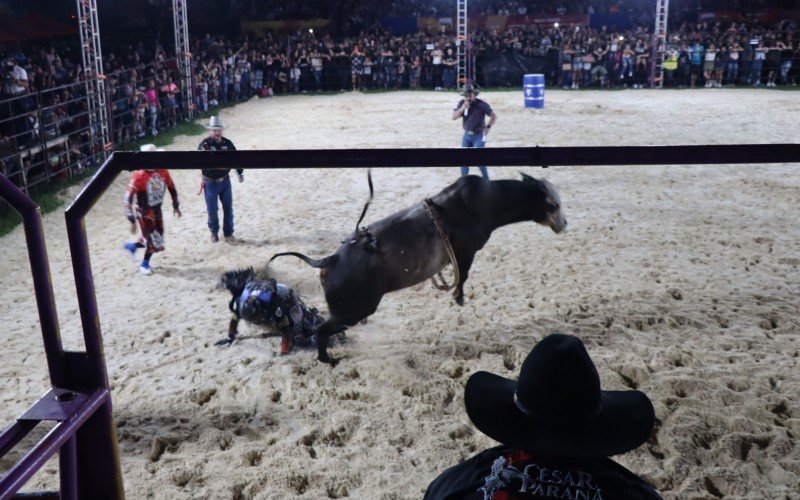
[(464, 263), (323, 333)]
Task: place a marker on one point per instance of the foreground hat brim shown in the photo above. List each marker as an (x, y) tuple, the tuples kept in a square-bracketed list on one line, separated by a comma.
[(624, 422)]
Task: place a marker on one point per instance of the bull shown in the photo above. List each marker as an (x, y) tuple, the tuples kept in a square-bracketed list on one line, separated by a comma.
[(415, 244)]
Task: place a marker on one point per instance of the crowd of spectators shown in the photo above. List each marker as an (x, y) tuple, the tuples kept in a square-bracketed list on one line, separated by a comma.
[(145, 88)]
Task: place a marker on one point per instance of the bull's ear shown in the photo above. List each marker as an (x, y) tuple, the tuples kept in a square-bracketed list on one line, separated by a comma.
[(527, 178)]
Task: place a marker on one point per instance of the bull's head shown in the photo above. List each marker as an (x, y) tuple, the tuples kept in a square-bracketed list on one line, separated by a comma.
[(235, 281), (550, 212)]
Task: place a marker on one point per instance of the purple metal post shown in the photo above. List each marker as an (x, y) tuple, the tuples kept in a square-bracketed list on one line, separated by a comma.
[(68, 469), (81, 265), (23, 470), (85, 434), (99, 472), (40, 268)]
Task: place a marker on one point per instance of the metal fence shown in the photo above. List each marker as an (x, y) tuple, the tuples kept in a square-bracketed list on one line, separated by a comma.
[(47, 135)]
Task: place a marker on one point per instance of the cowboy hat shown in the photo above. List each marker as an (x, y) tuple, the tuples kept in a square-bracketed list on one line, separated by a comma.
[(215, 123), (149, 148), (470, 89), (556, 406)]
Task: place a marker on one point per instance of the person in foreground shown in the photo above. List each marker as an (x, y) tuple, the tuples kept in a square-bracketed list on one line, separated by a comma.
[(557, 428)]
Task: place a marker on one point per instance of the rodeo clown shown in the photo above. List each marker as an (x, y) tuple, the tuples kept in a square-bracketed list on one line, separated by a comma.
[(269, 303), (148, 187)]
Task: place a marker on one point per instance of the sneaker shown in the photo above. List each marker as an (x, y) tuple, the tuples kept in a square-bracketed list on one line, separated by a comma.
[(131, 248), (144, 268), (214, 238)]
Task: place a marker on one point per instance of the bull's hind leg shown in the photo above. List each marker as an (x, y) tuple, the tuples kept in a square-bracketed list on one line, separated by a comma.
[(323, 333)]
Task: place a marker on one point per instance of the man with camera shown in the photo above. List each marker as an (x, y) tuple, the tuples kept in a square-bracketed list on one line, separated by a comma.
[(15, 78)]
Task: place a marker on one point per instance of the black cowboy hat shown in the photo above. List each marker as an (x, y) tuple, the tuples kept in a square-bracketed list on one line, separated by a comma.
[(556, 407), (470, 89)]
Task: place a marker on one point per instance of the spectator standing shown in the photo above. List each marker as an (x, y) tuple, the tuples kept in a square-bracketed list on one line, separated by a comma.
[(785, 47), (696, 54), (709, 66), (151, 97), (449, 61), (217, 183), (734, 53), (759, 55)]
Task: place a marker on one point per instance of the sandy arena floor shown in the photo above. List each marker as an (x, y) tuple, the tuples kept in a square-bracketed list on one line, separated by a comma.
[(682, 281)]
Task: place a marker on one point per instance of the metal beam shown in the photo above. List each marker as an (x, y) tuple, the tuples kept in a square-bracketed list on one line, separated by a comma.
[(451, 157)]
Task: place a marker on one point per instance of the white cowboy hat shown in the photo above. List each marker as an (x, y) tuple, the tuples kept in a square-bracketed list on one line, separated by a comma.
[(215, 123), (149, 148)]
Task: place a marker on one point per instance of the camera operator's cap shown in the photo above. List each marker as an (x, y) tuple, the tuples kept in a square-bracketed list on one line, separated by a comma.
[(471, 89), (149, 148), (215, 123)]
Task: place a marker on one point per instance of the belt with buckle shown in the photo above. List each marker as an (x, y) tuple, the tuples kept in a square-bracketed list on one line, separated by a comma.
[(209, 179), (473, 132)]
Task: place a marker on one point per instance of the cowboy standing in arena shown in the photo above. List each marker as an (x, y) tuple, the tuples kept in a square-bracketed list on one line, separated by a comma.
[(148, 187), (557, 429), (474, 112), (217, 184)]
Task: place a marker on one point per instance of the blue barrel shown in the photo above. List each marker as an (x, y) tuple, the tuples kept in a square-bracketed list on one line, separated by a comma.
[(533, 90)]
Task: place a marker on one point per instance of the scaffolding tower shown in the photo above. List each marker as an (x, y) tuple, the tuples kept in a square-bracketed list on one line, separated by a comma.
[(465, 71), (93, 75), (659, 44), (183, 55)]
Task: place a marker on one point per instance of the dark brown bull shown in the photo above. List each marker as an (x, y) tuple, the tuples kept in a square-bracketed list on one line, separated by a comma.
[(409, 246)]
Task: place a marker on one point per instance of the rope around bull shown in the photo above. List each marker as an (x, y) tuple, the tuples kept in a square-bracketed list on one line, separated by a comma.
[(437, 222)]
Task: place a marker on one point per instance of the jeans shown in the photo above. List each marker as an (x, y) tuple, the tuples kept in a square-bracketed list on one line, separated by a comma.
[(473, 141), (732, 71), (154, 119), (627, 67), (223, 192), (755, 77), (786, 66)]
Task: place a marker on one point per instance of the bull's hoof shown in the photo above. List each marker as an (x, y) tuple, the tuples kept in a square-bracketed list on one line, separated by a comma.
[(459, 300), (329, 360)]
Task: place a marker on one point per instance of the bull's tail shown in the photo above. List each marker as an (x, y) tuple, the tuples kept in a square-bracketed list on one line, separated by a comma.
[(318, 263), (369, 200)]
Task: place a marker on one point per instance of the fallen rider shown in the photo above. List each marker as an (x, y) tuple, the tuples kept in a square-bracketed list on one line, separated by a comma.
[(272, 304)]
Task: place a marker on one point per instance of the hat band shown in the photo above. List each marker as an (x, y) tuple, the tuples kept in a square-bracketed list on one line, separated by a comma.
[(521, 406), (559, 418)]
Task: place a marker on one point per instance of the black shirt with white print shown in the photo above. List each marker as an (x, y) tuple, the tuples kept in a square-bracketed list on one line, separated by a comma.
[(503, 473), (224, 144)]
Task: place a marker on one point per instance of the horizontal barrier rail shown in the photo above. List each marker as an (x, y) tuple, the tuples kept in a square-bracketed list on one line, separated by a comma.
[(448, 157)]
